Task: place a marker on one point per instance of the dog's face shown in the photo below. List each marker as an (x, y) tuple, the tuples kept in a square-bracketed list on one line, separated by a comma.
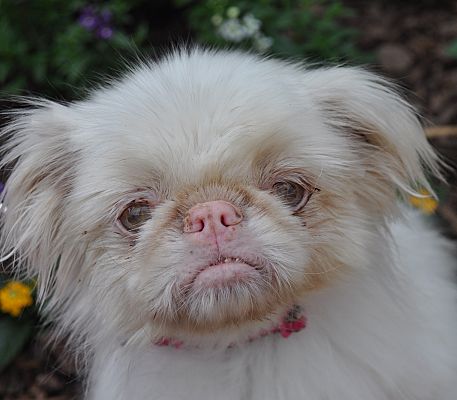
[(205, 191)]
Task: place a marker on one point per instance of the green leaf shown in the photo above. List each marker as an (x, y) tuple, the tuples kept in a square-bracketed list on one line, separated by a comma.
[(141, 33), (14, 334), (451, 50), (121, 41)]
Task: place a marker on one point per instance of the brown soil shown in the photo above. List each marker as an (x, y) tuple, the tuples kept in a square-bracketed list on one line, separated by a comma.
[(40, 374)]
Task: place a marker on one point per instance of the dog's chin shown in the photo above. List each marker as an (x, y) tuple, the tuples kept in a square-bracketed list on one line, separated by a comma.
[(225, 294)]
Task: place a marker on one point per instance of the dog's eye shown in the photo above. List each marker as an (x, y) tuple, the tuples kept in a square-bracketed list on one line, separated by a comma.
[(135, 215), (292, 194)]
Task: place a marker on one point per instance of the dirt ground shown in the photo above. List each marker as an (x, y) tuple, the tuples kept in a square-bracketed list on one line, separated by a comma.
[(409, 43)]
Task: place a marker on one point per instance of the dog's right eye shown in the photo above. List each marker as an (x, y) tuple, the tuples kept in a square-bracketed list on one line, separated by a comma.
[(135, 215), (292, 194)]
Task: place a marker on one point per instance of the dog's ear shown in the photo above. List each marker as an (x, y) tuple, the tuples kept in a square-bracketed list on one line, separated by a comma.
[(384, 128), (38, 154)]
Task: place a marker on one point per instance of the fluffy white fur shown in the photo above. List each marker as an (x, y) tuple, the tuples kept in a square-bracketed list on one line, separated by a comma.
[(375, 281)]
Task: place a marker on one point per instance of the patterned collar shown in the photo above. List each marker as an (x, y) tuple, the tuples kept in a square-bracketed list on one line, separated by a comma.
[(294, 321)]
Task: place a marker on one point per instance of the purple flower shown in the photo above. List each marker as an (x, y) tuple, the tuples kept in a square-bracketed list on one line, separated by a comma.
[(2, 186), (88, 18), (98, 21), (104, 32)]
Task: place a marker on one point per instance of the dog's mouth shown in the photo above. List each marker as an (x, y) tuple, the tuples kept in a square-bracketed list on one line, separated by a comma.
[(225, 271), (226, 291)]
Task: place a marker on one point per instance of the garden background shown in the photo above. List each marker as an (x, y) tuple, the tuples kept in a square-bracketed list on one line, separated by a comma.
[(63, 49)]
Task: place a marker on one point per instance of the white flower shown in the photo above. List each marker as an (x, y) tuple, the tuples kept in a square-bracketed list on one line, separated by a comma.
[(232, 30), (251, 24), (233, 12), (216, 20), (263, 43)]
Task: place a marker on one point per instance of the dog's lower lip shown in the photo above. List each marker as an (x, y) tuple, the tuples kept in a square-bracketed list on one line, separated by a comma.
[(225, 270)]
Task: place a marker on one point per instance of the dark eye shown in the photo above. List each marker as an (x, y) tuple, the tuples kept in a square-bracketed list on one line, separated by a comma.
[(292, 194), (135, 215)]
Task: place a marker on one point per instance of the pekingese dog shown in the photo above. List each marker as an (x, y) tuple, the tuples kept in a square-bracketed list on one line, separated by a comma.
[(222, 226)]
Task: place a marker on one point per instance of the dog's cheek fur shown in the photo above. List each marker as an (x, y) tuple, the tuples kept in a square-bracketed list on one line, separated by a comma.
[(39, 225), (34, 228), (57, 231)]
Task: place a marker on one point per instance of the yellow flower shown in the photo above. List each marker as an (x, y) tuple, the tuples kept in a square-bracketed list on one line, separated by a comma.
[(14, 297), (427, 204)]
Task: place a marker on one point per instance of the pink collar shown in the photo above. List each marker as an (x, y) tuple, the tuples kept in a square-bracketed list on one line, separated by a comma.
[(293, 321)]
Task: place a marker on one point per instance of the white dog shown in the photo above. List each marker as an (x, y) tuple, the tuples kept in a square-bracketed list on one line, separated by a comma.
[(222, 226)]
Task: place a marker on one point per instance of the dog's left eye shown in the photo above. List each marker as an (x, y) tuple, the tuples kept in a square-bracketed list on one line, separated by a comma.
[(135, 215), (292, 194)]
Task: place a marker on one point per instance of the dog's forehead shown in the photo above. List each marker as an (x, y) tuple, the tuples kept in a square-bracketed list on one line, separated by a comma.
[(192, 113)]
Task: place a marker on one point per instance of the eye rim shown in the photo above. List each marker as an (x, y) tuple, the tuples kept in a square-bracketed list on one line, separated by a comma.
[(141, 202), (306, 189)]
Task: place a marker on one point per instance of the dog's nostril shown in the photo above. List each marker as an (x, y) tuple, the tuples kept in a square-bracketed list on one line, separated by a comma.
[(231, 218), (216, 214), (193, 225), (198, 225)]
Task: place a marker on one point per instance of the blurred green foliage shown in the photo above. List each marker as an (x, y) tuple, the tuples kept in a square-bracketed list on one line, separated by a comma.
[(45, 48), (312, 29), (50, 47)]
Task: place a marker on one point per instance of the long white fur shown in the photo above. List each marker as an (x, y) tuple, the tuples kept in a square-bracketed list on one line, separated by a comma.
[(384, 328)]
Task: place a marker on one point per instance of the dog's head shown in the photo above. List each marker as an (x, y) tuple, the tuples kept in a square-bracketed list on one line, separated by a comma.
[(206, 190)]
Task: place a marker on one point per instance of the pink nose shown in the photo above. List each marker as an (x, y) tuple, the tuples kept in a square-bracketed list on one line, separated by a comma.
[(212, 220)]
